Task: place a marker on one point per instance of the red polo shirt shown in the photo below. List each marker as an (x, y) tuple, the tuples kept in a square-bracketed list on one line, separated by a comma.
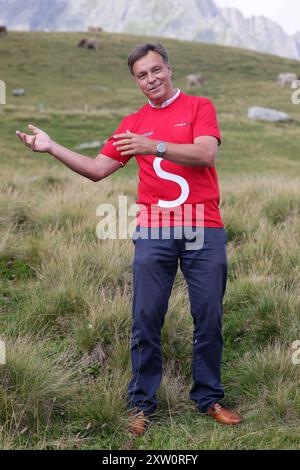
[(170, 193)]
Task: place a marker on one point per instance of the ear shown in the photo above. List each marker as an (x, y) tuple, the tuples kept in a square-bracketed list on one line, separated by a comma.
[(170, 70)]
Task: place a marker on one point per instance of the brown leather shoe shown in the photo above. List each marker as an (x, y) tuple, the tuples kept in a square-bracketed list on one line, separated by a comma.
[(137, 422), (220, 414)]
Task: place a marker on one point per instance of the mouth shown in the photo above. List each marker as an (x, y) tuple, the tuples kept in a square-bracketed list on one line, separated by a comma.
[(154, 88)]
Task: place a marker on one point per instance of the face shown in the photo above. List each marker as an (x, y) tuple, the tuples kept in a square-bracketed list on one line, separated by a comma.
[(153, 77)]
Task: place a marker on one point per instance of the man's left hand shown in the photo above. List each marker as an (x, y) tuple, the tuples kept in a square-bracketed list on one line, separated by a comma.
[(134, 144)]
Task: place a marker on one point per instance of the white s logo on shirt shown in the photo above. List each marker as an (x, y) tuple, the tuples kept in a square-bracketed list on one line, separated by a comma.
[(171, 177)]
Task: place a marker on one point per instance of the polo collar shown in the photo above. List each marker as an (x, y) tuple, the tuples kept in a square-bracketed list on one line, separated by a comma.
[(167, 102)]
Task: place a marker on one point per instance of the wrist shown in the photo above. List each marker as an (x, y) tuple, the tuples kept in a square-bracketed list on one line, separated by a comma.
[(154, 144), (51, 148), (161, 149)]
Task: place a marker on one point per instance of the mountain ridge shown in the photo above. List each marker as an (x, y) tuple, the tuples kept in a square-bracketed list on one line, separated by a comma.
[(195, 20)]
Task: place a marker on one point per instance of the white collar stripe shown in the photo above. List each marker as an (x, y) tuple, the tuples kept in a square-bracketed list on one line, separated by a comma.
[(167, 102)]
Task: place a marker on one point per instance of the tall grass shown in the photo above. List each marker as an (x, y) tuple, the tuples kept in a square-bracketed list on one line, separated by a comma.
[(78, 298)]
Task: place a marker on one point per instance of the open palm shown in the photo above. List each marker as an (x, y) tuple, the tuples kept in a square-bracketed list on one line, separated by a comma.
[(38, 142)]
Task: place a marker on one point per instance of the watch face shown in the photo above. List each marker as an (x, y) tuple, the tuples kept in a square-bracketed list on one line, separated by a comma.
[(161, 147)]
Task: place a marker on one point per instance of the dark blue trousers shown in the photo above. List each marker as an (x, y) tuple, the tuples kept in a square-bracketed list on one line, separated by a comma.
[(205, 271)]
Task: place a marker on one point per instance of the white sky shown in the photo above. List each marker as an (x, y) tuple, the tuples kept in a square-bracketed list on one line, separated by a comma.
[(284, 12)]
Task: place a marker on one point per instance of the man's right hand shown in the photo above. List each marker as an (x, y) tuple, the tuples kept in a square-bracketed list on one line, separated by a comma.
[(94, 169), (38, 142)]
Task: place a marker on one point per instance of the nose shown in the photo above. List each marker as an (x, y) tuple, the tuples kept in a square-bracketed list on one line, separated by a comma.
[(151, 78)]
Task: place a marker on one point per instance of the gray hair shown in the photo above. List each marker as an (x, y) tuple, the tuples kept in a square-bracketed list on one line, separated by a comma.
[(142, 49)]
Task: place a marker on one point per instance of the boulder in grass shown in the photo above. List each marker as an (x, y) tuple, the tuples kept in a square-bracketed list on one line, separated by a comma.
[(18, 92), (266, 114), (90, 145)]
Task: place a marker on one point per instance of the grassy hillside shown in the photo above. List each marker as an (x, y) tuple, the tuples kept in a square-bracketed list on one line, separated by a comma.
[(63, 291)]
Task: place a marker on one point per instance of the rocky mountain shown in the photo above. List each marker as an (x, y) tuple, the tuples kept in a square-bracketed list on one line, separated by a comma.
[(196, 20), (259, 33), (297, 39)]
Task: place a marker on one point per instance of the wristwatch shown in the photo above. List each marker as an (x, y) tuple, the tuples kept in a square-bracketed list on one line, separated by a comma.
[(161, 149)]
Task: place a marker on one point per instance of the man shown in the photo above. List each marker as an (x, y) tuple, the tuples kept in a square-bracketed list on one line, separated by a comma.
[(174, 138)]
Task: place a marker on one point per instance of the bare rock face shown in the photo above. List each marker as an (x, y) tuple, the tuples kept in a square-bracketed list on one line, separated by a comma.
[(297, 40), (259, 33), (196, 20), (266, 114)]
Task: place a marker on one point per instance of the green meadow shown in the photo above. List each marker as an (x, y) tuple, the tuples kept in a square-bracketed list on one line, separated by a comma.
[(65, 295)]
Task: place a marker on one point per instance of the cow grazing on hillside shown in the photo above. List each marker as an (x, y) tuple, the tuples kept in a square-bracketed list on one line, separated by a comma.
[(3, 30), (286, 78), (194, 80), (94, 29), (91, 43)]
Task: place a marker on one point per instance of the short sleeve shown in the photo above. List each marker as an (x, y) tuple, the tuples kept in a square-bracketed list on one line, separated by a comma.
[(110, 151), (206, 122)]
